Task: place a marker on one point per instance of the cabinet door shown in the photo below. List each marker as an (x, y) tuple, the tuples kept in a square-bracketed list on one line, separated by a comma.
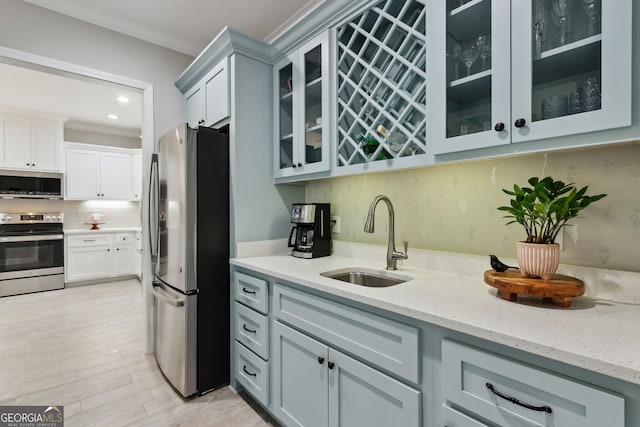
[(300, 389), (571, 67), (314, 95), (470, 85), (17, 143), (286, 152), (88, 263), (216, 89), (195, 106), (46, 143), (124, 260), (81, 180), (136, 165), (362, 396), (115, 176)]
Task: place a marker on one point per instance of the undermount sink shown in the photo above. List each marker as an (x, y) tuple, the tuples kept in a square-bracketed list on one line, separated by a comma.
[(366, 277)]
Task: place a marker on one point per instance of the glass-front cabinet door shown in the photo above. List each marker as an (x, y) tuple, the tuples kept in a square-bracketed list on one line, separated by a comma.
[(526, 70), (302, 110), (571, 67)]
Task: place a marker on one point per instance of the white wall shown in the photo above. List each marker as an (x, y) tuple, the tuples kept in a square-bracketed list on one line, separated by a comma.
[(38, 31), (97, 138)]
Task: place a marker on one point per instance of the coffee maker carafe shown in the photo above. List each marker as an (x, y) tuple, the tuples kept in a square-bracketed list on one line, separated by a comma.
[(310, 235)]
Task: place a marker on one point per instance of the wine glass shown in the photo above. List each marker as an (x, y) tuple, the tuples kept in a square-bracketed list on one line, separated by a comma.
[(468, 55), (591, 7), (560, 17), (484, 47), (539, 11), (455, 51)]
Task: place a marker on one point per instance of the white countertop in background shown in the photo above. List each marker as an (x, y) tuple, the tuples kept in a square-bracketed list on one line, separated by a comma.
[(597, 334), (101, 230)]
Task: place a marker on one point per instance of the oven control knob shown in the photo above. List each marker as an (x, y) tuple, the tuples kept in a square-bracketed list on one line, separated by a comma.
[(7, 219)]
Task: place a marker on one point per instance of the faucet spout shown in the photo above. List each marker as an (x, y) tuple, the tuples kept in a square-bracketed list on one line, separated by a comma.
[(392, 254)]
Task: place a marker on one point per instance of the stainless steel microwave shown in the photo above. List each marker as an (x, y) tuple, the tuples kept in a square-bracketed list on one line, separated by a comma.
[(30, 185)]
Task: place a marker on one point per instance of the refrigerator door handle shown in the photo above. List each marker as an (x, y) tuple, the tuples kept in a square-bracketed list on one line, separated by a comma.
[(162, 296), (153, 208)]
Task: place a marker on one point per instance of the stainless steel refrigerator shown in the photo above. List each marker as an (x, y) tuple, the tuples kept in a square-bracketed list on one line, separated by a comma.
[(189, 239)]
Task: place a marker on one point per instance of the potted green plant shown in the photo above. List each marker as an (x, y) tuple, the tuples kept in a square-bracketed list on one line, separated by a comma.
[(543, 209)]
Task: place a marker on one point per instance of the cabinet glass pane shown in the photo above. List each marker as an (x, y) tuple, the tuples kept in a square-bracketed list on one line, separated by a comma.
[(468, 67), (285, 114), (381, 82), (566, 62), (313, 105)]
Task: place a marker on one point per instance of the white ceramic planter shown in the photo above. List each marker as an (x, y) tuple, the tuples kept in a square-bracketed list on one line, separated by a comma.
[(538, 260)]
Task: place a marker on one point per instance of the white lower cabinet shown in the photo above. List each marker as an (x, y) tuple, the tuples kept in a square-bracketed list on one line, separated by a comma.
[(100, 255), (482, 388), (316, 385)]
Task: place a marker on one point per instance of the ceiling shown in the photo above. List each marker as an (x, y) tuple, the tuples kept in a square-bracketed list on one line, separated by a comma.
[(86, 104), (185, 25)]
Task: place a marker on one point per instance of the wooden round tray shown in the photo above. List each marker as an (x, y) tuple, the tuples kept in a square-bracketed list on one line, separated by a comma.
[(560, 289)]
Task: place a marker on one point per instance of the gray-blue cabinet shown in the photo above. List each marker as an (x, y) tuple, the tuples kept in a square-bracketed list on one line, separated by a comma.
[(317, 379), (301, 110), (484, 389), (317, 385), (527, 70), (207, 102)]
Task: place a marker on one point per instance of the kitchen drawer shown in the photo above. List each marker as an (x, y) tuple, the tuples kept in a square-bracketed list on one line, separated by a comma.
[(252, 330), (389, 344), (89, 240), (253, 373), (124, 238), (251, 291), (453, 418), (469, 373)]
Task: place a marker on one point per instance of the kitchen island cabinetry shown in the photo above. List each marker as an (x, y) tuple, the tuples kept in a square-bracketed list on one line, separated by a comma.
[(301, 110), (207, 102), (102, 173), (525, 71), (30, 143), (100, 255)]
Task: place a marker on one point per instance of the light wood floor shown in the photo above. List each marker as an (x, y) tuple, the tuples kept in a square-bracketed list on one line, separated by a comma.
[(83, 348)]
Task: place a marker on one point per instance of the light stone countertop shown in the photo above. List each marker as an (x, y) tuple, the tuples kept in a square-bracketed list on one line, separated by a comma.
[(102, 230), (596, 334)]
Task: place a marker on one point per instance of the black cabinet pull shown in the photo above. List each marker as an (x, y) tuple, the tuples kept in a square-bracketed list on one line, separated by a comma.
[(299, 164), (331, 365), (520, 123), (499, 127), (518, 402), (247, 329), (294, 166), (320, 360), (247, 291), (244, 368)]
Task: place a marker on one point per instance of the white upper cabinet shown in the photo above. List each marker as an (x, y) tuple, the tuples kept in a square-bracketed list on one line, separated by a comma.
[(30, 144), (207, 102), (97, 174), (301, 110), (527, 70)]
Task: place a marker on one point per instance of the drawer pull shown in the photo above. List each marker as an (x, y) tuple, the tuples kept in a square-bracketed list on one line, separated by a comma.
[(320, 360), (253, 331), (244, 368), (248, 291), (518, 402), (331, 365)]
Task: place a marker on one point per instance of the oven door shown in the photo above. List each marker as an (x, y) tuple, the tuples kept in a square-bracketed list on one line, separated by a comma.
[(30, 256)]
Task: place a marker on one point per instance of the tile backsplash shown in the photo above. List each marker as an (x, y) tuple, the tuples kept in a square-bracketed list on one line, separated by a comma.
[(115, 213), (453, 207)]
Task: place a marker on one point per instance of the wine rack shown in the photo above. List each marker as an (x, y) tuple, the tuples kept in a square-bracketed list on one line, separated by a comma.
[(381, 74)]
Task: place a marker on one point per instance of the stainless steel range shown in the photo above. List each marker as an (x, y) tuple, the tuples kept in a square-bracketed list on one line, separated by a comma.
[(31, 252)]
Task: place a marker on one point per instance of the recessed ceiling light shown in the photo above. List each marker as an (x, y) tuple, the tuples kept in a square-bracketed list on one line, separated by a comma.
[(112, 117), (123, 99)]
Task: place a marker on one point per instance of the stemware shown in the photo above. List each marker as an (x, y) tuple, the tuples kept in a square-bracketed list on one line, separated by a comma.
[(538, 15), (456, 49), (591, 8), (468, 55), (484, 48), (560, 17)]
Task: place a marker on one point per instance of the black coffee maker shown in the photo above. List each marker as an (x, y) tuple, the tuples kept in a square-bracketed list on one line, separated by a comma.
[(310, 236)]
